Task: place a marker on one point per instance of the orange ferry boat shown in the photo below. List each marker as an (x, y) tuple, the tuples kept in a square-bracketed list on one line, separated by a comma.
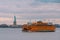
[(39, 26)]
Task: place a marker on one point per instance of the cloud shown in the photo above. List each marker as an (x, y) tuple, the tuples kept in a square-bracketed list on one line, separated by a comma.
[(25, 10), (47, 1), (21, 6)]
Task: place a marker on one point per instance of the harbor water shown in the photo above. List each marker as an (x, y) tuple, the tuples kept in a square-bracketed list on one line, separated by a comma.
[(17, 34)]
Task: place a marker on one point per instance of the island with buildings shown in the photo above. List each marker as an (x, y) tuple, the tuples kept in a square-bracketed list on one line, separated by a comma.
[(15, 25)]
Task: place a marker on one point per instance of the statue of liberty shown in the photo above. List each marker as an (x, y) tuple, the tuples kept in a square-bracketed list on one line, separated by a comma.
[(14, 20)]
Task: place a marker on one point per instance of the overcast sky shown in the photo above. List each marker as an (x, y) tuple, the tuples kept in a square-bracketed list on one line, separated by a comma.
[(25, 10)]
